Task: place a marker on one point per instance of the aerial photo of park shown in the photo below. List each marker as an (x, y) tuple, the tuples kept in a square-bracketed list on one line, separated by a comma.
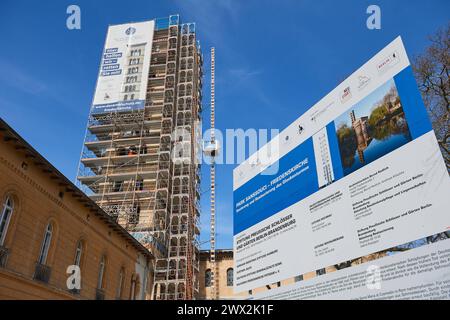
[(372, 128)]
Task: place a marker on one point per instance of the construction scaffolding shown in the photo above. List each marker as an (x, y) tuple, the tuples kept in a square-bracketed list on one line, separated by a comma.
[(211, 150), (140, 166)]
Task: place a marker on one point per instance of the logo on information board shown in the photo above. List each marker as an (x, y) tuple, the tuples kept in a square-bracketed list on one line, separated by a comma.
[(346, 95), (130, 31), (363, 82), (388, 62)]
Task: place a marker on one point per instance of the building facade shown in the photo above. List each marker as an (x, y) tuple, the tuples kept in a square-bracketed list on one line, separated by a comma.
[(223, 277), (224, 264), (48, 225), (139, 165)]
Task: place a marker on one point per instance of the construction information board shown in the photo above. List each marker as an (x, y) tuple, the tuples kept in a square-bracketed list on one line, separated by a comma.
[(122, 79), (351, 201)]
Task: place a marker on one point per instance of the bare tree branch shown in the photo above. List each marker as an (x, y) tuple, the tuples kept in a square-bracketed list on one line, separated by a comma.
[(432, 74)]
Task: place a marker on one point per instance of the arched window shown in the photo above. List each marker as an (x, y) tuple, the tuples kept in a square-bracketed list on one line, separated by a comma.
[(298, 278), (133, 288), (134, 284), (5, 217), (208, 278), (321, 272), (101, 273), (120, 284), (46, 244), (230, 277), (78, 253)]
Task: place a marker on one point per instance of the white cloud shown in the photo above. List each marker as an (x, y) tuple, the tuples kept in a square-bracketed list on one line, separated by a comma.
[(18, 79)]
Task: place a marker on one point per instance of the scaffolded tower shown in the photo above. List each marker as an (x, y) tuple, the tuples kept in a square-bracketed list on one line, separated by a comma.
[(140, 167)]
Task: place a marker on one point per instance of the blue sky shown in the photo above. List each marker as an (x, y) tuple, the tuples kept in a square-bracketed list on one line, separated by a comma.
[(274, 60)]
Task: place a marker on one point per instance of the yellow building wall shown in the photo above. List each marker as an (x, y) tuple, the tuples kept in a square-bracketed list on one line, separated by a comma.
[(223, 263), (36, 202)]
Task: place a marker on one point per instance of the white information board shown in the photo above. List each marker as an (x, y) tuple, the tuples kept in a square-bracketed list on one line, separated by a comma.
[(122, 80), (360, 179)]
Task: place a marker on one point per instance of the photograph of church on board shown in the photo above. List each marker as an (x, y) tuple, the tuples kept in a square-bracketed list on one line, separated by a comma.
[(372, 128)]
